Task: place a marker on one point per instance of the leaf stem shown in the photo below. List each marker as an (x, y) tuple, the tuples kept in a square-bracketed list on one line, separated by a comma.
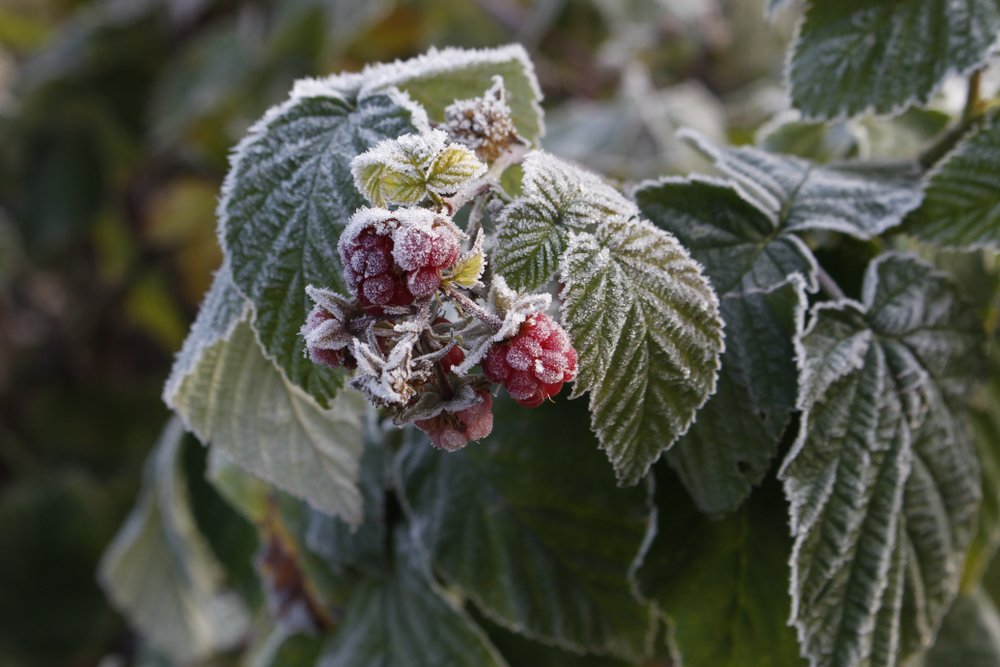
[(483, 315), (829, 285), (973, 101), (475, 219), (973, 109)]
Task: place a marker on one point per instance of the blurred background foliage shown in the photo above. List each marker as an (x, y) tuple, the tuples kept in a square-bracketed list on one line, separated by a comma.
[(116, 118)]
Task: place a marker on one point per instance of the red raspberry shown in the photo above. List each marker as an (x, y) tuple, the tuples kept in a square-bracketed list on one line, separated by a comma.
[(394, 258), (535, 363), (452, 431)]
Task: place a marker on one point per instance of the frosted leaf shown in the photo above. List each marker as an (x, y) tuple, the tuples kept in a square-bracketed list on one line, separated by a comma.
[(740, 246), (882, 480), (161, 572), (646, 326), (235, 399), (962, 203), (404, 170), (512, 308), (799, 195), (885, 55), (470, 266), (556, 198)]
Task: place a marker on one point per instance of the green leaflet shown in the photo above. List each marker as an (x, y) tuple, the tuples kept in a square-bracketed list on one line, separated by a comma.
[(402, 618), (539, 549), (161, 571), (962, 203), (853, 56), (646, 326), (969, 637), (288, 195), (799, 195), (232, 397), (722, 589), (533, 230), (882, 480)]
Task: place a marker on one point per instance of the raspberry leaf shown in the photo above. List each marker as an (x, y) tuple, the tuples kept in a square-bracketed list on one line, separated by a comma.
[(505, 510), (970, 634), (884, 55), (799, 195), (722, 591), (557, 198), (962, 203), (453, 168), (401, 618), (882, 480), (161, 570), (646, 325)]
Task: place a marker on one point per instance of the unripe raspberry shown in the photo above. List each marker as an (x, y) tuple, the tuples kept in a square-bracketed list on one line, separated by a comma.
[(392, 258), (454, 430), (535, 363)]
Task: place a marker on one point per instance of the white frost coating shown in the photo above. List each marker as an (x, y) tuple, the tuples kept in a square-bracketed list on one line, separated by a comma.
[(800, 195)]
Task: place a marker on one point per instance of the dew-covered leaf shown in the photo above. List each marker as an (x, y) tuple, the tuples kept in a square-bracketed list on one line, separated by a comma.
[(882, 481), (646, 326), (730, 447), (400, 617), (720, 583), (741, 247), (853, 56), (962, 203), (286, 199), (440, 77), (556, 198), (235, 399), (538, 547), (160, 570), (799, 195)]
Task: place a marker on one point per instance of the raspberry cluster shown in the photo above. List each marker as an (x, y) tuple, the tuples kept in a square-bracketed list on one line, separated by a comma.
[(391, 259), (535, 363)]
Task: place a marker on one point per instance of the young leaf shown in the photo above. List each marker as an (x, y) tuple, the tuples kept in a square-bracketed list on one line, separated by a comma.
[(557, 198), (799, 195), (882, 480), (401, 618), (730, 447), (853, 56), (962, 203), (561, 544), (741, 247), (646, 326), (235, 399), (722, 590), (161, 572), (286, 199)]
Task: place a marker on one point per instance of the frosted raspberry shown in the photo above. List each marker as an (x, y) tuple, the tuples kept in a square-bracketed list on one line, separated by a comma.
[(392, 258), (326, 340), (535, 363), (452, 431)]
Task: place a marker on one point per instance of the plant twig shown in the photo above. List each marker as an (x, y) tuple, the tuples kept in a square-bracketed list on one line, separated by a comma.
[(829, 285), (483, 315), (973, 109)]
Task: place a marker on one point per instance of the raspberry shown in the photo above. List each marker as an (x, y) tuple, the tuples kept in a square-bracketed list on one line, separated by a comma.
[(535, 363), (452, 431), (324, 345), (392, 258)]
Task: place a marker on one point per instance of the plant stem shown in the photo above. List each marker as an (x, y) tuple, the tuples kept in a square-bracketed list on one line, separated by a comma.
[(973, 102), (829, 285), (475, 218), (973, 108), (483, 315)]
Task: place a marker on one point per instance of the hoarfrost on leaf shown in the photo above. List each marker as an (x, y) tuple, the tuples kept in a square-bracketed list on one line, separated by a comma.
[(646, 325)]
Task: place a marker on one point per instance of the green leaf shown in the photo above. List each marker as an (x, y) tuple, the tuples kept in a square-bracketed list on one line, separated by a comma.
[(799, 195), (285, 201), (969, 637), (962, 203), (453, 167), (438, 78), (741, 247), (160, 571), (854, 56), (533, 230), (882, 480), (723, 589), (646, 326), (235, 399), (540, 549), (730, 447), (402, 618)]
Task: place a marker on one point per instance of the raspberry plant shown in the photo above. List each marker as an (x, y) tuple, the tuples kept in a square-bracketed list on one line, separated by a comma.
[(775, 461)]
